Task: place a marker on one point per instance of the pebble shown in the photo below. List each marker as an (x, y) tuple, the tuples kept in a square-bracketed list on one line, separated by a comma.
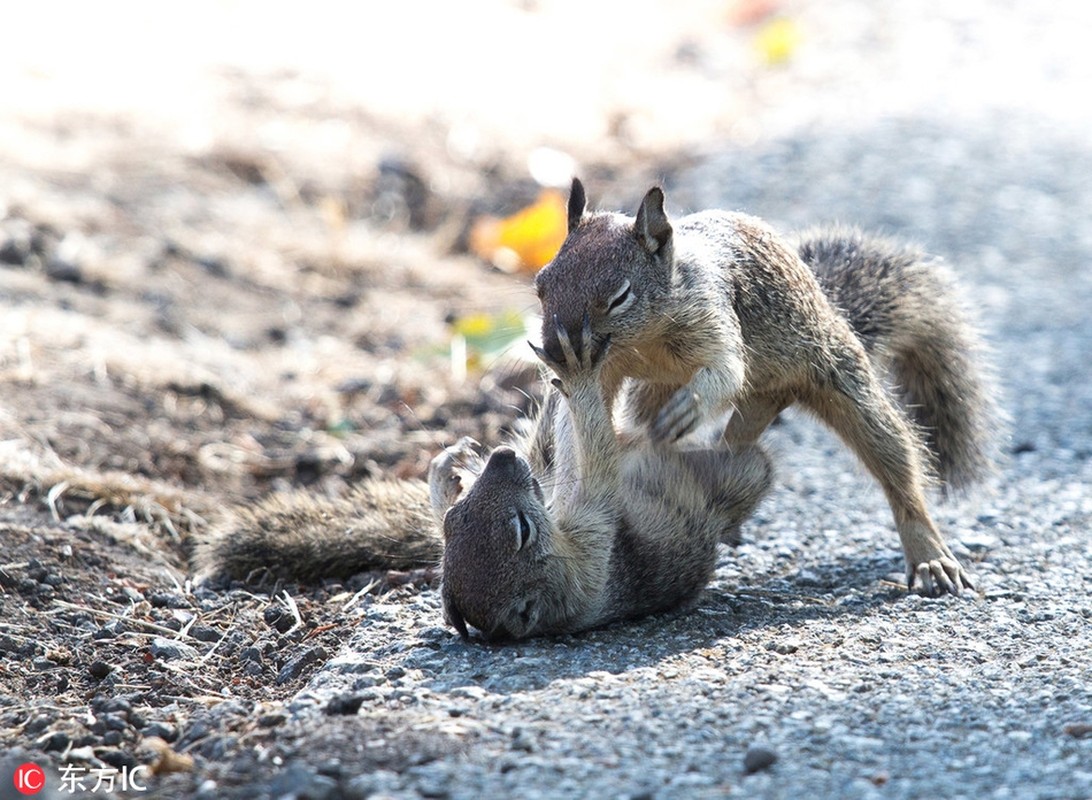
[(344, 704), (300, 662), (160, 730), (170, 650), (272, 720), (758, 758)]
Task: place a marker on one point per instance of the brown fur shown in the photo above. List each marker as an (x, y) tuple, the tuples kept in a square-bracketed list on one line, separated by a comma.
[(720, 312)]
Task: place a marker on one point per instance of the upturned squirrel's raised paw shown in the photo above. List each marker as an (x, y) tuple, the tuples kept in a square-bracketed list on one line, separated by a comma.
[(450, 472), (717, 312), (572, 365)]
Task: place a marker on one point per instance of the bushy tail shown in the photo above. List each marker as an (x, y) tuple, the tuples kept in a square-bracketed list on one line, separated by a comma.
[(906, 310), (381, 525)]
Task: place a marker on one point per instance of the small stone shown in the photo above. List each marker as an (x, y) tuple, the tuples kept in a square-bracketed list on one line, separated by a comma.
[(169, 650), (278, 619), (110, 630), (160, 730), (15, 251), (203, 633), (522, 741), (251, 654), (272, 720), (296, 665), (168, 600), (118, 759), (57, 742), (118, 705), (1078, 730), (38, 724), (63, 270), (344, 705), (758, 758)]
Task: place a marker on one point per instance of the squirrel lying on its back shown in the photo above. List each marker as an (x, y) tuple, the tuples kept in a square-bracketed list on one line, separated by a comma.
[(574, 525), (570, 527)]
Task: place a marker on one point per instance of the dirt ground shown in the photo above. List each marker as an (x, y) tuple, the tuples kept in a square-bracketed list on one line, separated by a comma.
[(180, 334)]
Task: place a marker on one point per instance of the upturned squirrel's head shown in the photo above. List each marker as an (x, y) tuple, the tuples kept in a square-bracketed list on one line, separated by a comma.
[(612, 269), (496, 552)]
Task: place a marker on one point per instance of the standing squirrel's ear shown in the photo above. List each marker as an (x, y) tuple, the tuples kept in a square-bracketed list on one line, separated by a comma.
[(652, 228), (577, 202)]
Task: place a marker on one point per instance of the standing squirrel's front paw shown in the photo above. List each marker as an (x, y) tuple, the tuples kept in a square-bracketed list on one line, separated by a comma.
[(678, 417)]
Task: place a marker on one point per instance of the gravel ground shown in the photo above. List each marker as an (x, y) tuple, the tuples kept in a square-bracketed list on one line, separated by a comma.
[(805, 668), (803, 644)]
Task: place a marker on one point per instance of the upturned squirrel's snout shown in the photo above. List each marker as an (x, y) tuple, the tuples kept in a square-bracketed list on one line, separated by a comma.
[(502, 457)]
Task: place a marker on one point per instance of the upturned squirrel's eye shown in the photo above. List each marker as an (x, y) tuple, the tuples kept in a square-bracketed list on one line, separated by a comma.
[(620, 300), (524, 529)]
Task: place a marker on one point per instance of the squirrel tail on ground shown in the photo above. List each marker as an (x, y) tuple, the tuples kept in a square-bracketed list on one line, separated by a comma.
[(906, 311), (299, 536)]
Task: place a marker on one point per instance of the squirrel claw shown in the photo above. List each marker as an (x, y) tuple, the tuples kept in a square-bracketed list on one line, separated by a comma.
[(584, 357), (541, 354), (678, 417), (938, 577)]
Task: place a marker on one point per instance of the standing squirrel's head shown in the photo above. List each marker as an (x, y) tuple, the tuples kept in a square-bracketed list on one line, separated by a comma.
[(496, 553), (611, 269)]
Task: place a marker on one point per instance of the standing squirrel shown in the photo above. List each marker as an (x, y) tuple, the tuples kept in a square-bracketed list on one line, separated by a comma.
[(720, 312)]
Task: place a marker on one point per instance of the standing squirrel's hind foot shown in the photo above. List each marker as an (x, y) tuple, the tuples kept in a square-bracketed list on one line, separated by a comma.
[(939, 576)]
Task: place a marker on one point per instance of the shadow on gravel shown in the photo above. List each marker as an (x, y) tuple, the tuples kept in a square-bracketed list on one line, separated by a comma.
[(717, 619)]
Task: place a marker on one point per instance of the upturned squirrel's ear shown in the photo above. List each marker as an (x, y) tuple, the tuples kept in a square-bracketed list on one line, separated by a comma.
[(577, 203), (652, 228)]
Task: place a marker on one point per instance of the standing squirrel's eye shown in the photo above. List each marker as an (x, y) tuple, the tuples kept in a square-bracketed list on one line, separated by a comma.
[(620, 300), (524, 529)]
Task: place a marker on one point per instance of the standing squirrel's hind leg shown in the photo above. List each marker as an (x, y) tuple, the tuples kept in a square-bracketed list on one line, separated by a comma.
[(858, 408)]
